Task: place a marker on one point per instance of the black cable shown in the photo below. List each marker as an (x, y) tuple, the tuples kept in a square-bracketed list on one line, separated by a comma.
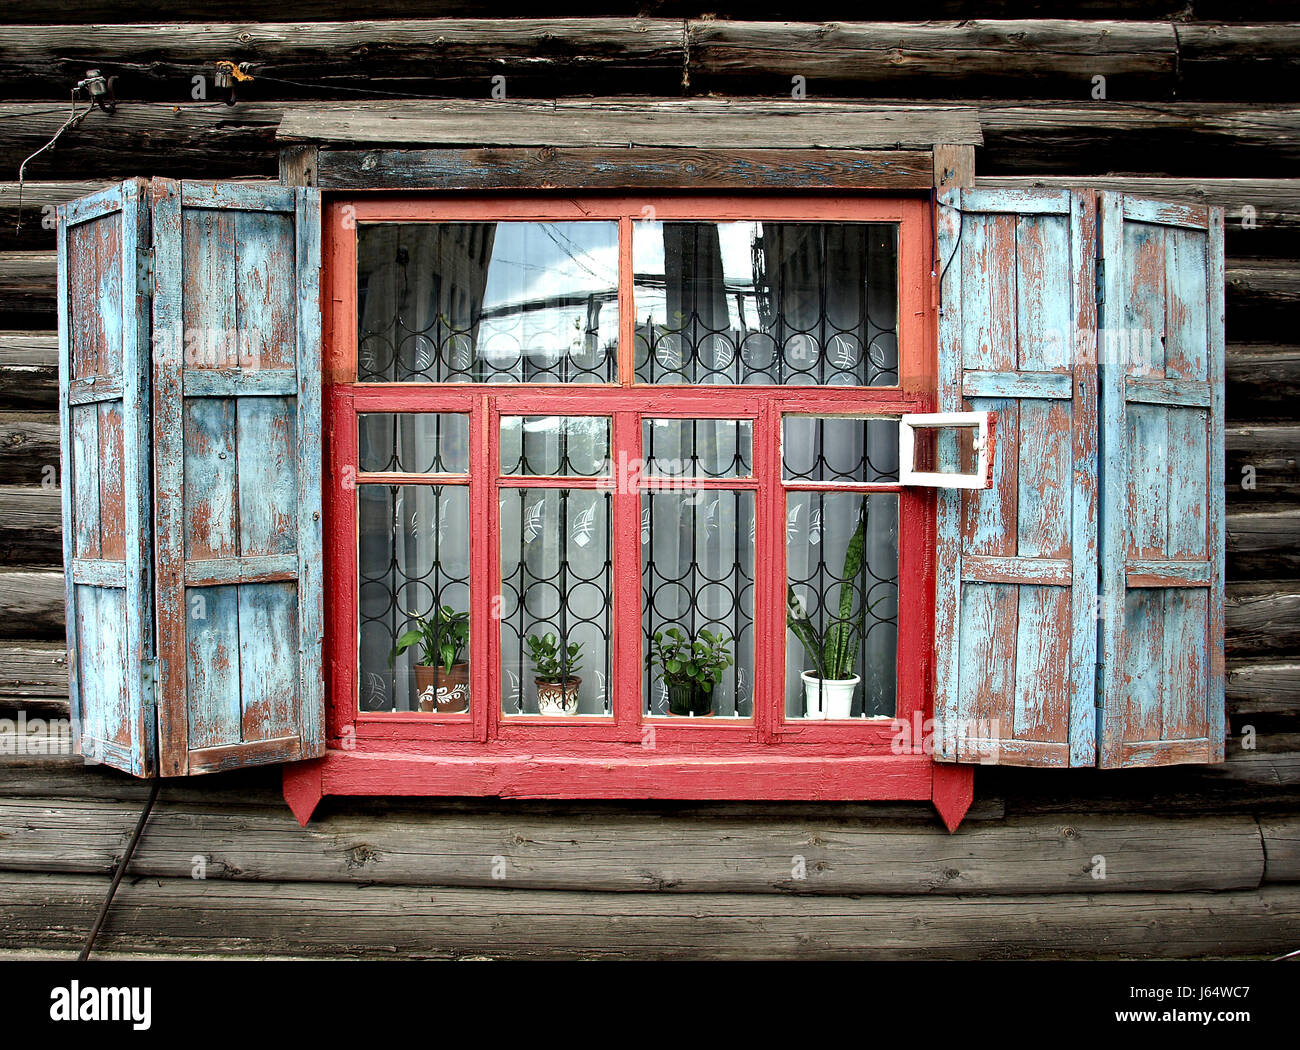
[(121, 870), (961, 225)]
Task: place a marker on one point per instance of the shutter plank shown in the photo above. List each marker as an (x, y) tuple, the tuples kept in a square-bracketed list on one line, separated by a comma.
[(1163, 488), (1015, 629), (104, 437)]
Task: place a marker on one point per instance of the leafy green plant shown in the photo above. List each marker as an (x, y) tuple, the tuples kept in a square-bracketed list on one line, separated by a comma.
[(555, 662), (834, 651), (442, 639), (699, 661)]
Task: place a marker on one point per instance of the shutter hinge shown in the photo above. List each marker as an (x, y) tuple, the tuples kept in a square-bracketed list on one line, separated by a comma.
[(149, 682), (144, 269), (1101, 281)]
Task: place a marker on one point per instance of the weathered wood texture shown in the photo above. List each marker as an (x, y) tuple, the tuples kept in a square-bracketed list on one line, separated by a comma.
[(709, 124), (1048, 57), (298, 918), (628, 853), (622, 168), (236, 497), (1017, 563), (29, 370), (30, 526), (1201, 139), (72, 12)]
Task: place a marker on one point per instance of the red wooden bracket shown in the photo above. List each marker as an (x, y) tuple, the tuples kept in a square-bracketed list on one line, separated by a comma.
[(952, 791), (303, 788)]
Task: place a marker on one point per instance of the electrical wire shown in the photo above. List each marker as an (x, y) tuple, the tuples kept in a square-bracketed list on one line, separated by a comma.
[(74, 118), (121, 869)]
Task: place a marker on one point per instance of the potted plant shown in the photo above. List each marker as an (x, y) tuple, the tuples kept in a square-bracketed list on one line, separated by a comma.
[(692, 667), (557, 684), (441, 676), (829, 686)]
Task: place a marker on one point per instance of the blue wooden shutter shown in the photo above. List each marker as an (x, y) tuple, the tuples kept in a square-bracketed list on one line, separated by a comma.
[(237, 461), (1161, 352), (104, 437), (1015, 628)]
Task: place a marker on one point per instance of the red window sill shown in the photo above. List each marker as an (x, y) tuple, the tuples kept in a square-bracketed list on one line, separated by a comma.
[(614, 774)]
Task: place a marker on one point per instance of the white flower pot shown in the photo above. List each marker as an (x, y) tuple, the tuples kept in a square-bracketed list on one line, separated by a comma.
[(832, 698)]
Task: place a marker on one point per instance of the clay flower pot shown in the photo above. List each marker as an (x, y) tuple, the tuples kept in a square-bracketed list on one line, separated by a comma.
[(556, 699), (443, 691)]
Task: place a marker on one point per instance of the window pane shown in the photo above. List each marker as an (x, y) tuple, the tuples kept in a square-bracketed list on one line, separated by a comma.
[(553, 446), (766, 302), (556, 580), (830, 448), (456, 302), (697, 575), (413, 564), (414, 442), (842, 604), (698, 448)]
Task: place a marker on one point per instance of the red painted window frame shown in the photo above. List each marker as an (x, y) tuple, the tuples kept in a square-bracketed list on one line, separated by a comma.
[(486, 753)]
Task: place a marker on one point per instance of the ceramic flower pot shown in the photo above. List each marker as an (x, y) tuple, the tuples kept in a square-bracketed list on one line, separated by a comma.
[(828, 698), (556, 699), (443, 691)]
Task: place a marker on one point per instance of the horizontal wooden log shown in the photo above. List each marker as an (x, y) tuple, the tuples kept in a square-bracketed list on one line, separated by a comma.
[(29, 447), (25, 282), (1263, 687), (1263, 618), (706, 124), (34, 669), (1263, 542), (1262, 382), (622, 168), (1201, 139), (196, 139), (1274, 760), (627, 853), (1262, 462), (45, 910), (1281, 837), (421, 56), (29, 370), (1043, 56), (123, 11), (1039, 56), (31, 526), (31, 603)]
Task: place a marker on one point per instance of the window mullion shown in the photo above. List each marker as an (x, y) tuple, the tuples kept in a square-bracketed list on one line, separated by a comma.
[(484, 568), (625, 456)]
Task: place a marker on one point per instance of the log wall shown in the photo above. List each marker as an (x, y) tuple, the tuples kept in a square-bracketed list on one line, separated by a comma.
[(1203, 106)]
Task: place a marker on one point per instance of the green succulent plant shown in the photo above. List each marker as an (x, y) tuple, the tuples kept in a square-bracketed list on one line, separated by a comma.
[(554, 660)]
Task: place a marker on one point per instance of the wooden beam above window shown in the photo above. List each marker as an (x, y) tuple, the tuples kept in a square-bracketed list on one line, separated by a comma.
[(703, 124), (606, 168)]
